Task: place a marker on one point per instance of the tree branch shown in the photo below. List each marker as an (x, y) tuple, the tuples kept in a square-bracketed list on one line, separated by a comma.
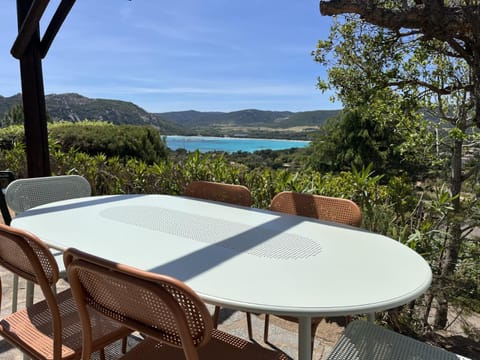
[(440, 91), (432, 18)]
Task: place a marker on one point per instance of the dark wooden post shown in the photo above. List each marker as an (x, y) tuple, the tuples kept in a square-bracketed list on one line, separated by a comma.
[(33, 95)]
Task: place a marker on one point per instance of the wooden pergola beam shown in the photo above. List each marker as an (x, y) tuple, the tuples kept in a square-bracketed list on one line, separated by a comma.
[(30, 51), (55, 25), (28, 25)]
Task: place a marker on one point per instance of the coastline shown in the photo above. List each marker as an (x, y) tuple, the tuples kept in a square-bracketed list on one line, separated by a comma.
[(203, 137), (230, 144)]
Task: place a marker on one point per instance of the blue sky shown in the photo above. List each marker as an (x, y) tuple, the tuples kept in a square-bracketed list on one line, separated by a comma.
[(205, 55)]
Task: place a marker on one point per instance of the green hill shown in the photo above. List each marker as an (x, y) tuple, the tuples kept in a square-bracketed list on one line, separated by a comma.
[(249, 118), (75, 107), (250, 122)]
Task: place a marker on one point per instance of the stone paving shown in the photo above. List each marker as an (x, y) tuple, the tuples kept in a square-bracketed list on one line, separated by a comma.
[(282, 334)]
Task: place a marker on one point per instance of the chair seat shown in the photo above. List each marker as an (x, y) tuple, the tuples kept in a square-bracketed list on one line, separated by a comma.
[(219, 347), (366, 341), (30, 329)]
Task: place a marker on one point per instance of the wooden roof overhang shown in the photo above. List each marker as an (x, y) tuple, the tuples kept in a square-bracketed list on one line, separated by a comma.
[(30, 49)]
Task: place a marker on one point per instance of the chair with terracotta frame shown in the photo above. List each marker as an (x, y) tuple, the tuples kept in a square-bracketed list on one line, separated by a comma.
[(228, 193), (338, 210), (174, 320), (26, 193), (50, 328), (326, 208)]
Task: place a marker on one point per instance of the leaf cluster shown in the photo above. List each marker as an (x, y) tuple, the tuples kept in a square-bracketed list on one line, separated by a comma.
[(358, 140)]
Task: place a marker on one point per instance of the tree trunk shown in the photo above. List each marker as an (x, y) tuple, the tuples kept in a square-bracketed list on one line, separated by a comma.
[(449, 260)]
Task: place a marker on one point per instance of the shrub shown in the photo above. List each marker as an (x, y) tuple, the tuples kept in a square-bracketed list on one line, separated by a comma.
[(94, 138), (124, 141)]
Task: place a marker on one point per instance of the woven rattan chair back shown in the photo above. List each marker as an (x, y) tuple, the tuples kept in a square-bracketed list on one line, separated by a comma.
[(158, 306), (28, 257), (23, 194), (50, 328), (228, 193), (326, 208)]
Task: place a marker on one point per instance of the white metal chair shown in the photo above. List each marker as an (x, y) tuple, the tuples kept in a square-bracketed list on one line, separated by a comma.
[(24, 194), (363, 340)]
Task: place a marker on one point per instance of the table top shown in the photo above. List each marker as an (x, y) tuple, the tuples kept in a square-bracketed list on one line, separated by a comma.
[(238, 257)]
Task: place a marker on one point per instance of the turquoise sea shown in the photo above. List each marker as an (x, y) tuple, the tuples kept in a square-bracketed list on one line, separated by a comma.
[(230, 145)]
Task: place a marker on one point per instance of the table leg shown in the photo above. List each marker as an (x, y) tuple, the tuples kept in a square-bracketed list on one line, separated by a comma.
[(371, 317), (304, 338)]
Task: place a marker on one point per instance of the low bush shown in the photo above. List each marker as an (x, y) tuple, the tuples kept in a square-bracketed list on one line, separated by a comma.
[(95, 138)]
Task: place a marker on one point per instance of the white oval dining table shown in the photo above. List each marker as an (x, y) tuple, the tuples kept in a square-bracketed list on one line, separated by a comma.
[(241, 258)]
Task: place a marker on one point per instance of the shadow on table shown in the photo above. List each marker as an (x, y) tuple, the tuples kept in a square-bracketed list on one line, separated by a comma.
[(90, 202), (221, 251)]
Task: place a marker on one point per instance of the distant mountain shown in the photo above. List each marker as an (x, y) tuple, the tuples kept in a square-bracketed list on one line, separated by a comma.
[(7, 102), (193, 118), (248, 118), (75, 107)]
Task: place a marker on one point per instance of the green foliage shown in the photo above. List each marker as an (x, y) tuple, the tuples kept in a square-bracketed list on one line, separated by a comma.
[(412, 106), (355, 140), (294, 158), (428, 235), (114, 175), (10, 136), (14, 116), (124, 141), (96, 138), (358, 139), (395, 209)]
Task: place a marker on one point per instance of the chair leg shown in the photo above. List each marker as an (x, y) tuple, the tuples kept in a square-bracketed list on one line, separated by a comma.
[(15, 293), (249, 325), (124, 345), (29, 296), (215, 316), (265, 328)]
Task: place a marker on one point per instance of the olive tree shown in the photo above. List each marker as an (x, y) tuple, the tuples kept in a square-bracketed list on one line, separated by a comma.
[(415, 61)]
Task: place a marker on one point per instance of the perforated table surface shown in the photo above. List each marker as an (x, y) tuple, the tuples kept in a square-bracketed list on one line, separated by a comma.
[(238, 257)]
